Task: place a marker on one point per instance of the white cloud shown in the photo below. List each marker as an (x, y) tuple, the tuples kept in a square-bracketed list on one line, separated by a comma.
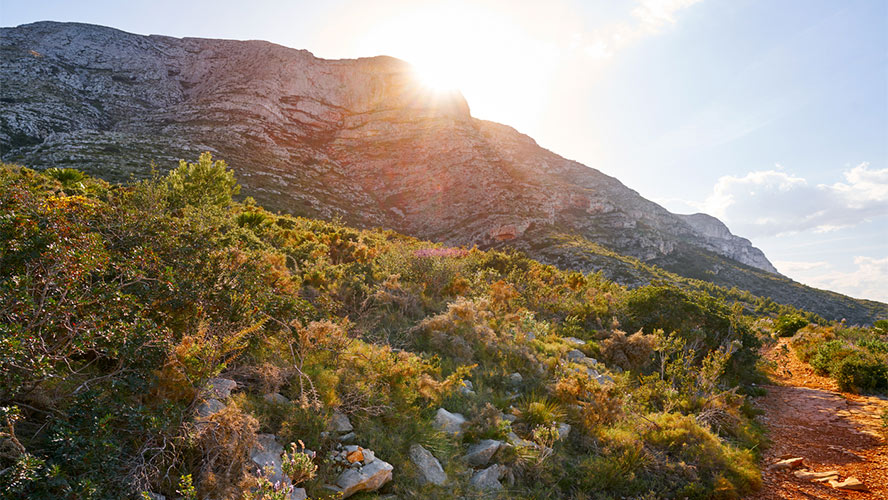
[(649, 17), (774, 202), (868, 279)]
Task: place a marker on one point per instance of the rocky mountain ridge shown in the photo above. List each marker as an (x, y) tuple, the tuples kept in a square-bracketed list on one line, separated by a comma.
[(358, 139)]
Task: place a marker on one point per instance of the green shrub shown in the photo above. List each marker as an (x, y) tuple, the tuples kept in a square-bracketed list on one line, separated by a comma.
[(205, 183), (788, 324)]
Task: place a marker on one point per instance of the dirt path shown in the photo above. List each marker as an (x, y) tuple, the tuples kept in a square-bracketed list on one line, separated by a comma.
[(808, 417)]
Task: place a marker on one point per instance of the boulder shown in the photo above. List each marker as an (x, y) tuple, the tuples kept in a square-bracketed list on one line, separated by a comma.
[(563, 431), (481, 453), (488, 479), (368, 478), (516, 378), (518, 441), (208, 407), (430, 470), (276, 398), (220, 388), (450, 423), (575, 355), (347, 438), (340, 423), (267, 453)]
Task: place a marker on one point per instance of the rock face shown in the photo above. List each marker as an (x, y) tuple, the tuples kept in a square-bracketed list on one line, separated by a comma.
[(360, 139)]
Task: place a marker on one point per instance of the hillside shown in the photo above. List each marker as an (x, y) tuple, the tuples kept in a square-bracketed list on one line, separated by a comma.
[(159, 339), (360, 140)]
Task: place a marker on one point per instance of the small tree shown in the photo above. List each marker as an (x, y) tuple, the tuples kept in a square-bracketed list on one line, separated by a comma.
[(205, 183)]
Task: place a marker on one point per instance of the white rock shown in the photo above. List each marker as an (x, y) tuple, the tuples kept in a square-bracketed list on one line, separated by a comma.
[(516, 378), (450, 423), (369, 478), (488, 479), (298, 494), (574, 341), (220, 388), (430, 470), (481, 453), (340, 423), (563, 430), (347, 438)]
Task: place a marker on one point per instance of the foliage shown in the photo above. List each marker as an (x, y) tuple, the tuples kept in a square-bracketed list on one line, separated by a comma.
[(788, 324), (118, 303), (857, 358)]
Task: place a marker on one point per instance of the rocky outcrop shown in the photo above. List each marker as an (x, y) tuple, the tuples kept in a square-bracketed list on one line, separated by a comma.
[(717, 237)]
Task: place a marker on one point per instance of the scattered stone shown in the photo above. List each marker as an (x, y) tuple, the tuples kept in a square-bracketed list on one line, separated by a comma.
[(575, 355), (267, 453), (220, 388), (450, 423), (519, 441), (816, 476), (209, 407), (369, 456), (430, 470), (604, 379), (488, 479), (468, 384), (347, 438), (369, 478), (340, 423), (481, 453), (276, 398), (355, 456), (509, 417), (154, 496), (851, 483), (789, 463), (516, 378), (588, 361), (563, 431), (298, 494), (574, 341)]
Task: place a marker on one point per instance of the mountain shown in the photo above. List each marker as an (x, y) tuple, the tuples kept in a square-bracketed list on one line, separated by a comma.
[(357, 139)]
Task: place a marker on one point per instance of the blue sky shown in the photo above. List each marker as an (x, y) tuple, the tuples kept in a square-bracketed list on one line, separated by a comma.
[(772, 115)]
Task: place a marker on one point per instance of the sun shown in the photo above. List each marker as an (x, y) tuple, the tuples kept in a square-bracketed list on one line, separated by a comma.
[(438, 76)]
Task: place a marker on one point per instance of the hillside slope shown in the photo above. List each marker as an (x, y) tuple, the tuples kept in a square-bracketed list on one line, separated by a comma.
[(355, 139)]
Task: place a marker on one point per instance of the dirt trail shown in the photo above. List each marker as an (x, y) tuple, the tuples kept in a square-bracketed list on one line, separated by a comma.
[(807, 416)]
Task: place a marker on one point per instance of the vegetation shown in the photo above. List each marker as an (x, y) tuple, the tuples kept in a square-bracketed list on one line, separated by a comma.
[(857, 358), (119, 303)]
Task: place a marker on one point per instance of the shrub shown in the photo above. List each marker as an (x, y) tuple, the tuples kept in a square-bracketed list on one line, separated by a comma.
[(788, 324), (205, 183)]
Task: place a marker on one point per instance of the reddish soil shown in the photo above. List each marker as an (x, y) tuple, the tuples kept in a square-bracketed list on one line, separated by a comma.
[(807, 416)]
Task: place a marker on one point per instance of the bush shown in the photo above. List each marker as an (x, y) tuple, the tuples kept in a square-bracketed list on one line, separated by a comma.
[(205, 183), (788, 324)]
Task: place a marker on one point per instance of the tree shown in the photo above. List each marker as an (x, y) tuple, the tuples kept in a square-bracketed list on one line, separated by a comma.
[(205, 183)]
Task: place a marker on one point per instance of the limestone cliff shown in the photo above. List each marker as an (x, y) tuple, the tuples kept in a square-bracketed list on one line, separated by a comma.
[(360, 139)]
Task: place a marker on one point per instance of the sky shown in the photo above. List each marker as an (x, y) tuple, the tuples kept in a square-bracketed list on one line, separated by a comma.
[(771, 115)]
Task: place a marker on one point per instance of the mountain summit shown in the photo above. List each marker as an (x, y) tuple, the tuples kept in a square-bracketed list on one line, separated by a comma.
[(359, 139)]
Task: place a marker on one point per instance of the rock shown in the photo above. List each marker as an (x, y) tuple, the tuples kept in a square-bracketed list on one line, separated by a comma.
[(604, 379), (276, 398), (298, 494), (510, 418), (340, 423), (488, 479), (355, 456), (369, 456), (519, 441), (789, 463), (574, 341), (563, 430), (575, 355), (154, 496), (588, 361), (851, 483), (267, 453), (209, 407), (220, 388), (430, 470), (468, 384), (369, 478), (816, 476), (516, 378), (481, 453), (347, 438), (450, 423)]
